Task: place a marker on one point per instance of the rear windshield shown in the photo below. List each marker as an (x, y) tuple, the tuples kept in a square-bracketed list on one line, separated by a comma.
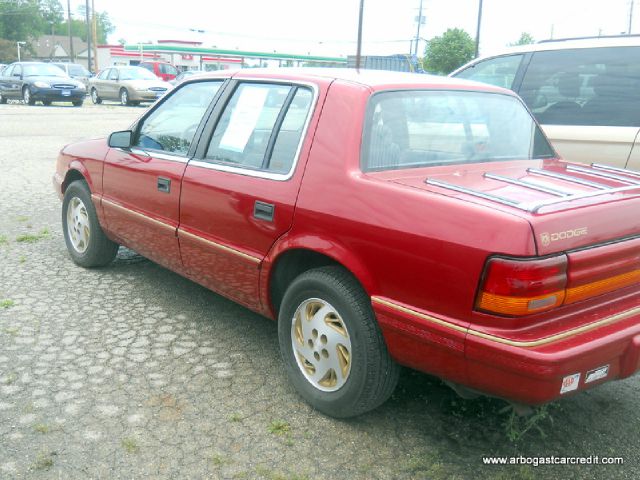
[(415, 128)]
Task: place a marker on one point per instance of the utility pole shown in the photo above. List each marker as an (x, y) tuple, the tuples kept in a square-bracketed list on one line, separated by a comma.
[(630, 15), (478, 28), (86, 3), (71, 52), (415, 47), (95, 36), (359, 51), (19, 44)]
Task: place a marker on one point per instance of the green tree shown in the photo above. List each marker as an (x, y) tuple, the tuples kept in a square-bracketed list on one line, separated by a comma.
[(525, 39), (451, 50), (21, 20)]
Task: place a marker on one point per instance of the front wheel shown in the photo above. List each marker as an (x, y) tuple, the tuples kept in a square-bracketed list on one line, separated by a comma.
[(77, 103), (27, 97), (95, 98), (87, 244), (124, 97), (332, 348)]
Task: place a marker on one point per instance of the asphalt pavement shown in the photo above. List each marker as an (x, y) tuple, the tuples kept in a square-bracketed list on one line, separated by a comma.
[(133, 372)]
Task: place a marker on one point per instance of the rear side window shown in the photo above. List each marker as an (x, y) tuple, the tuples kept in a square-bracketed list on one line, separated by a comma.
[(411, 128), (591, 86), (499, 71), (261, 127)]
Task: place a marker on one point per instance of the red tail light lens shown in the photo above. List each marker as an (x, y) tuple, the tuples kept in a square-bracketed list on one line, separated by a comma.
[(519, 287)]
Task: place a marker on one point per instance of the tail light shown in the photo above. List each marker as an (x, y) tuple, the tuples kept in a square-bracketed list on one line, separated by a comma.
[(519, 287)]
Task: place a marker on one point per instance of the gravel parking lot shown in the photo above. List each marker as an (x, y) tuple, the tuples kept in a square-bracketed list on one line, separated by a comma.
[(133, 372)]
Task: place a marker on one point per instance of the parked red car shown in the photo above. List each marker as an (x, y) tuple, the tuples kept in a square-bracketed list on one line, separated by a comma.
[(162, 70), (384, 219)]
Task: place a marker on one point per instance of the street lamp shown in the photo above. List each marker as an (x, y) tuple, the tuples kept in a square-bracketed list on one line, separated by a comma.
[(20, 44)]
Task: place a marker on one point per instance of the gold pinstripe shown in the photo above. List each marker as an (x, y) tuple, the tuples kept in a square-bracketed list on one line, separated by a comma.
[(514, 343)]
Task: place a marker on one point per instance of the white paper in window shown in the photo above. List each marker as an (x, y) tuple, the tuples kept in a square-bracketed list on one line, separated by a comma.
[(244, 118)]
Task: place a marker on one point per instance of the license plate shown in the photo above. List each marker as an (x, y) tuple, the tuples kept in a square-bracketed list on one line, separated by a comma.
[(66, 93)]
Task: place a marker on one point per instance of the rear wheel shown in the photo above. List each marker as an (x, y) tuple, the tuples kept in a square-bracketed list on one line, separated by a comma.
[(77, 103), (87, 244), (46, 103), (27, 97), (94, 97), (3, 99), (124, 97), (332, 348)]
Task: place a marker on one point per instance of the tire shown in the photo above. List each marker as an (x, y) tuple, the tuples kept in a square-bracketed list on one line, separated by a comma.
[(124, 97), (77, 103), (3, 99), (26, 96), (340, 365), (134, 103), (94, 97), (46, 103), (87, 244)]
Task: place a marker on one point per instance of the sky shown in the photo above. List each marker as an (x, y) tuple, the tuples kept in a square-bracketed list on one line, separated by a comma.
[(329, 27)]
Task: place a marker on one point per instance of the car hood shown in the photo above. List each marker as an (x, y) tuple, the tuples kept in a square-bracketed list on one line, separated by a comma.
[(51, 80), (568, 205)]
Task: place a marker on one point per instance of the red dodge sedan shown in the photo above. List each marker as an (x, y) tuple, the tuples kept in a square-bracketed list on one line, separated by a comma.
[(383, 219)]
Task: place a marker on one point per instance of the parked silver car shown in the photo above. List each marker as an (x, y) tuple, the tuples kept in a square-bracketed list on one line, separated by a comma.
[(130, 85), (75, 70)]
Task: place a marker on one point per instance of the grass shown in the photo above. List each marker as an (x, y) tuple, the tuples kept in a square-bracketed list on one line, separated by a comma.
[(279, 427), (7, 303), (33, 238), (44, 460), (13, 331), (130, 445), (10, 378), (22, 218), (236, 417), (218, 460), (42, 428), (22, 259), (517, 426), (3, 240)]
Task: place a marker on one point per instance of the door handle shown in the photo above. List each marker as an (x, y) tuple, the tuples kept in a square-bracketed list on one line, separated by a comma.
[(164, 185), (263, 211)]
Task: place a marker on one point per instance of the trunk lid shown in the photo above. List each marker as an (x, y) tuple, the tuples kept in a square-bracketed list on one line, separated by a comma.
[(568, 205)]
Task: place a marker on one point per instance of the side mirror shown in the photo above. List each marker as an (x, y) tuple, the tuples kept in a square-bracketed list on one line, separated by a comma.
[(120, 139)]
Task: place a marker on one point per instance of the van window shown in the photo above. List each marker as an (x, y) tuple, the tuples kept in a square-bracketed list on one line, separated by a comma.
[(589, 86), (499, 71)]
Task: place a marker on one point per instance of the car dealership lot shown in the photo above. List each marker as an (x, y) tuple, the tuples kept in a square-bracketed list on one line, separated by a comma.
[(132, 371)]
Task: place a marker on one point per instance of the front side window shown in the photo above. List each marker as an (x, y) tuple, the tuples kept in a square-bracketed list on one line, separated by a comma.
[(499, 71), (172, 126), (261, 127), (407, 129), (104, 74), (589, 86)]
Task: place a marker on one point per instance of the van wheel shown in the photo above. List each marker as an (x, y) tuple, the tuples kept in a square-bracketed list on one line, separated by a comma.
[(332, 348)]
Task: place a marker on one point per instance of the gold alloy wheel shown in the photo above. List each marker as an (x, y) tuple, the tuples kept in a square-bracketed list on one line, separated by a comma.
[(321, 344), (78, 227)]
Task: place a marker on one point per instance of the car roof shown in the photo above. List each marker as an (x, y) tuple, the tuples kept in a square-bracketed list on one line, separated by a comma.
[(571, 43), (373, 79)]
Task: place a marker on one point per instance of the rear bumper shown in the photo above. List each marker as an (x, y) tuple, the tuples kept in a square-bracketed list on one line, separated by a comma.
[(530, 371)]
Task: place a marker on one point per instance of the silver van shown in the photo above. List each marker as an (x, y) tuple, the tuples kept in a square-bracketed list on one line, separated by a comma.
[(584, 92)]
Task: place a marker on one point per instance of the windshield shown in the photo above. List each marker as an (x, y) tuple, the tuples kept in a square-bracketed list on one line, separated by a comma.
[(412, 128), (78, 71), (136, 73), (43, 69)]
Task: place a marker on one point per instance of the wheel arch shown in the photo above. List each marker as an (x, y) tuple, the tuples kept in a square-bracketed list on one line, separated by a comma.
[(292, 258), (74, 173)]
